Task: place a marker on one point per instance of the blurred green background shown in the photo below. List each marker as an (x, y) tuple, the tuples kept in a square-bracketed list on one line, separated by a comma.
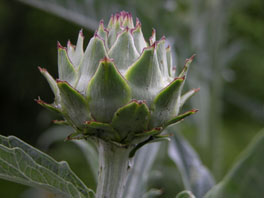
[(231, 97)]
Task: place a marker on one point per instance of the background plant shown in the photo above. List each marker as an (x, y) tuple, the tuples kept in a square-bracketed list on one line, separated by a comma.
[(246, 66)]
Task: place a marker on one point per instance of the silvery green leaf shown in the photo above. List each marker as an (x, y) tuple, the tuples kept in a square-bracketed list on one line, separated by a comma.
[(22, 163), (66, 69), (139, 39), (180, 117), (107, 91), (87, 147), (103, 33), (169, 61), (80, 12), (245, 179), (152, 39), (123, 51), (52, 84), (185, 194), (74, 104), (162, 57), (139, 174), (195, 175), (90, 153), (144, 75), (75, 53), (163, 106), (152, 193), (187, 96), (131, 118), (94, 52)]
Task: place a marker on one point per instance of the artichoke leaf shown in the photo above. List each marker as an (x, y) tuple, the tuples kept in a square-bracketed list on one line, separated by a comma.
[(131, 118), (74, 105), (124, 51), (163, 106), (94, 52), (66, 69), (107, 91)]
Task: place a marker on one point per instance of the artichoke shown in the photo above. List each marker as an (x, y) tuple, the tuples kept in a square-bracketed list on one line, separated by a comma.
[(121, 89)]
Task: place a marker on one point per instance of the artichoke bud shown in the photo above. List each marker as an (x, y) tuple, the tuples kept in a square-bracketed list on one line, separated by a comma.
[(121, 88)]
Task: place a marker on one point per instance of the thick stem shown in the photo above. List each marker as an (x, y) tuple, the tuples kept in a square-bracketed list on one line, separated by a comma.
[(114, 164), (139, 174)]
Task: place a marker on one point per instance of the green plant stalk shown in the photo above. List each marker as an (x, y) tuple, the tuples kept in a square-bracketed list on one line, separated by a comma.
[(114, 164), (121, 90), (139, 174)]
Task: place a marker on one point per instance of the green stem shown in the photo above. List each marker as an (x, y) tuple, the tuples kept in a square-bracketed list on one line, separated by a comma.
[(114, 164)]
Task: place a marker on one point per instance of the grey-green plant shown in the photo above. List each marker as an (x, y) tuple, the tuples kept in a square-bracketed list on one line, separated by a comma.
[(121, 94), (120, 91), (202, 27)]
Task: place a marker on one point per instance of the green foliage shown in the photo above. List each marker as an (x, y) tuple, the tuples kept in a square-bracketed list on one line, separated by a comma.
[(107, 91), (22, 163), (246, 25), (245, 179), (118, 69), (185, 194), (195, 176), (131, 119)]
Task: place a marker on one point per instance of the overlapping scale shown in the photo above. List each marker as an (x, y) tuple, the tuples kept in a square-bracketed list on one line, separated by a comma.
[(121, 89)]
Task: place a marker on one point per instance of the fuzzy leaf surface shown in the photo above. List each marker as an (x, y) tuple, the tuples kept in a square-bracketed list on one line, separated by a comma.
[(124, 51), (180, 117), (102, 130), (139, 39), (94, 52), (164, 103), (75, 53), (52, 83), (162, 57), (22, 163), (107, 91), (187, 95), (131, 118), (66, 69), (140, 172), (74, 104), (145, 76), (195, 176)]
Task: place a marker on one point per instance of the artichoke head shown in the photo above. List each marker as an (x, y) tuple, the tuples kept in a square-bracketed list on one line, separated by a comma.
[(121, 88)]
